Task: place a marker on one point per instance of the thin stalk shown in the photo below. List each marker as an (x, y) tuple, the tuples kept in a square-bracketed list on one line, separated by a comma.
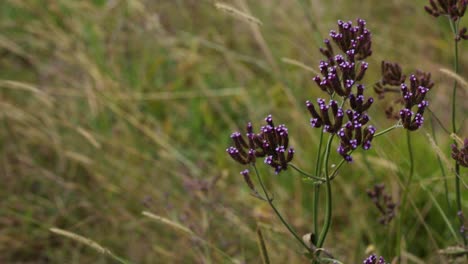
[(335, 172), (328, 208), (441, 166), (454, 27), (406, 190), (317, 190), (317, 162), (308, 175), (411, 158), (283, 221), (438, 121), (383, 132), (459, 202)]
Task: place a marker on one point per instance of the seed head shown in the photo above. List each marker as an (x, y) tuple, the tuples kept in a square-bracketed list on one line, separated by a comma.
[(383, 202), (462, 34), (455, 9), (460, 155), (392, 74)]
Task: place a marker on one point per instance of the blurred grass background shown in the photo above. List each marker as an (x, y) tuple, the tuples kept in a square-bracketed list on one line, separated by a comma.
[(109, 108)]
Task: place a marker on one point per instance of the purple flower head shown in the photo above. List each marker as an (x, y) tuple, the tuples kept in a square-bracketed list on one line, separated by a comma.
[(413, 94), (358, 102), (372, 259), (339, 72), (246, 175), (353, 135), (272, 143), (329, 116)]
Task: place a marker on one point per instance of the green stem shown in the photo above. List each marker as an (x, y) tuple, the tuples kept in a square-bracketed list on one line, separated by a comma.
[(459, 202), (454, 27), (315, 211), (305, 173), (317, 190), (383, 132), (405, 193), (328, 209), (335, 172), (410, 152), (283, 221)]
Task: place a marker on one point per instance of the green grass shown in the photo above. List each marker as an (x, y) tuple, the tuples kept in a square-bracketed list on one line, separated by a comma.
[(119, 107)]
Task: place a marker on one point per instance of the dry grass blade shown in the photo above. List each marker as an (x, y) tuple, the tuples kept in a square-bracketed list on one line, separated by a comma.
[(77, 157), (456, 77), (159, 96), (168, 222), (237, 13), (15, 48), (412, 257), (299, 64), (457, 138), (87, 242), (439, 152), (43, 97), (160, 139), (89, 137), (442, 156), (187, 231)]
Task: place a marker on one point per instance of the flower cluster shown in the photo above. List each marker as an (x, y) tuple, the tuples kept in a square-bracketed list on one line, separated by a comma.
[(358, 102), (340, 73), (392, 74), (372, 259), (420, 84), (323, 118), (383, 202), (354, 41), (272, 143), (353, 135), (413, 94), (455, 9), (460, 155)]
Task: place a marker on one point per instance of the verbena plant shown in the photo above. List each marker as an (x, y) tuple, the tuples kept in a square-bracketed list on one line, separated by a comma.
[(345, 126)]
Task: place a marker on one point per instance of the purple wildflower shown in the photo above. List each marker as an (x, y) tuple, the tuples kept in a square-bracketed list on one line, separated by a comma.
[(272, 143)]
